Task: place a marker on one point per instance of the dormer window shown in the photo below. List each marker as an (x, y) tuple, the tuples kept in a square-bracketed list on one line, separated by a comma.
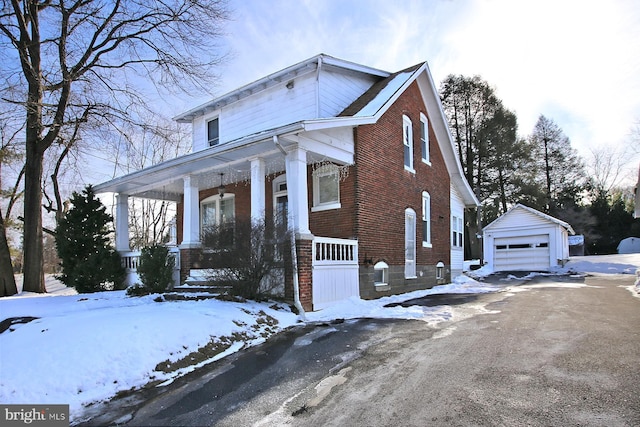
[(213, 132)]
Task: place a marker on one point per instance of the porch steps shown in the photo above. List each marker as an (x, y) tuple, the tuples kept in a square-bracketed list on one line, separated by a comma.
[(198, 282)]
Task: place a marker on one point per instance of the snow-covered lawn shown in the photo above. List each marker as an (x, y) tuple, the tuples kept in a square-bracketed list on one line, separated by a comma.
[(87, 348)]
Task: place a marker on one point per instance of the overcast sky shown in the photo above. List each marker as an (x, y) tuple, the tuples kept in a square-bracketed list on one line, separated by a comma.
[(576, 62)]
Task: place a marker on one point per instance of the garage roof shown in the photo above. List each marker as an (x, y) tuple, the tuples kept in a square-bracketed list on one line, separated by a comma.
[(520, 206)]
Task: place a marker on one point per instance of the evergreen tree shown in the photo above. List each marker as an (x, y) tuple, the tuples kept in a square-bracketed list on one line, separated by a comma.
[(560, 172), (89, 261)]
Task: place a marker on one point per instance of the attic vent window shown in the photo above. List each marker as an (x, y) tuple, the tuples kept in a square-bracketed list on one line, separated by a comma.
[(213, 132)]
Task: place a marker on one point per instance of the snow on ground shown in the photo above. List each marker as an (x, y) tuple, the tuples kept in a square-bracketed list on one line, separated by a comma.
[(86, 348)]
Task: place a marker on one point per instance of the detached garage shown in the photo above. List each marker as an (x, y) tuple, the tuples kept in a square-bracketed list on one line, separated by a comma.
[(526, 239)]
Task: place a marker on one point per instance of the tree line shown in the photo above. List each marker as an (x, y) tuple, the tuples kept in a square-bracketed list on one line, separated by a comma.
[(541, 170)]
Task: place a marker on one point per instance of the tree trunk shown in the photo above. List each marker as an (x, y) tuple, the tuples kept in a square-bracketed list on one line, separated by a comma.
[(32, 244), (7, 280)]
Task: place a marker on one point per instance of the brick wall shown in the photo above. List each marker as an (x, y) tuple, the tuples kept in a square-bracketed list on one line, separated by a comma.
[(384, 189)]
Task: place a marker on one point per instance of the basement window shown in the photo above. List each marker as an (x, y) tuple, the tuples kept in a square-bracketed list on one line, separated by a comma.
[(381, 274), (440, 270)]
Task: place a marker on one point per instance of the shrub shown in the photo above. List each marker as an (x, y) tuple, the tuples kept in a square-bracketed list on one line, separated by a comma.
[(243, 262), (156, 268)]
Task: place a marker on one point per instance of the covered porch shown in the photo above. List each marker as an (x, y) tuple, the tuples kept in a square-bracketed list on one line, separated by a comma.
[(261, 174)]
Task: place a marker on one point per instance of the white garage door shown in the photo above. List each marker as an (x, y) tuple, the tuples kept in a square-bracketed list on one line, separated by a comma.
[(522, 253)]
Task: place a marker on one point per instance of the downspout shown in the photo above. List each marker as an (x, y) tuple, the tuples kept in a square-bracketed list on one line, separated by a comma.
[(294, 255)]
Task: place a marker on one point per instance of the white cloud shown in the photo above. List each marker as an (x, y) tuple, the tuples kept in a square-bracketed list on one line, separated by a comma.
[(574, 61)]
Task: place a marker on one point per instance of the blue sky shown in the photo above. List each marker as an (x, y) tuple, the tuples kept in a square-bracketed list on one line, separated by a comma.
[(576, 62)]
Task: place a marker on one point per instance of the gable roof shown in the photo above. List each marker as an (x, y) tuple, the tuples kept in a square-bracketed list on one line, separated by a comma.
[(285, 74), (370, 102), (537, 213)]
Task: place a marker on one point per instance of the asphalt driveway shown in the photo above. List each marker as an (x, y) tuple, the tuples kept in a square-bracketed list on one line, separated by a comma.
[(545, 353)]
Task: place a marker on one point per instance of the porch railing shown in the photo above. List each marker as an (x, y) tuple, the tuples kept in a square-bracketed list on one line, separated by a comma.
[(131, 261), (327, 250)]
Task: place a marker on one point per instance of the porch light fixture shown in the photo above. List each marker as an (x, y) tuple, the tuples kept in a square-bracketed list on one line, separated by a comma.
[(221, 189)]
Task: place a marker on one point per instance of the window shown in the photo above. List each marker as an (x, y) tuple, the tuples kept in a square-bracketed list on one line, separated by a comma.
[(424, 138), (326, 188), (409, 244), (213, 132), (440, 271), (217, 214), (457, 231), (381, 273), (407, 139), (426, 220)]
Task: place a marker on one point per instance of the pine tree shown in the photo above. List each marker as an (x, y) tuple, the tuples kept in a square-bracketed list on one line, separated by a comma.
[(89, 261)]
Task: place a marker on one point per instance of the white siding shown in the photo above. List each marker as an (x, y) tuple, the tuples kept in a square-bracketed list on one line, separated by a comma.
[(279, 106), (271, 108), (338, 91), (457, 253)]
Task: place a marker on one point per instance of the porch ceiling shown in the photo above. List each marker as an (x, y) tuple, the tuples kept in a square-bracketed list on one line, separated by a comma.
[(164, 181)]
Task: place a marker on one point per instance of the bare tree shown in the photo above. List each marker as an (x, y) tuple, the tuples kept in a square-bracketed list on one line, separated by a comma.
[(70, 61), (10, 154), (608, 166), (150, 220)]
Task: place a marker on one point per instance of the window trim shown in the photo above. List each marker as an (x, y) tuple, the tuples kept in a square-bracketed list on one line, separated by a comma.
[(410, 264), (457, 232), (322, 171), (217, 199), (424, 139), (426, 217), (407, 142), (383, 268), (217, 139)]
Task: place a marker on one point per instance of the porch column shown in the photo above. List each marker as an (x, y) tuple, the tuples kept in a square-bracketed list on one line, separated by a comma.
[(122, 223), (296, 168), (258, 203), (191, 214)]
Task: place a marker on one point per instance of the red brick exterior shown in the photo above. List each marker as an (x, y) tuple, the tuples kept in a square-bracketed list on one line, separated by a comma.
[(374, 196), (377, 192)]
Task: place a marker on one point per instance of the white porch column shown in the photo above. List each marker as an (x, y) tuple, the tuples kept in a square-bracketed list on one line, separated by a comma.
[(122, 223), (296, 168), (191, 214), (258, 203)]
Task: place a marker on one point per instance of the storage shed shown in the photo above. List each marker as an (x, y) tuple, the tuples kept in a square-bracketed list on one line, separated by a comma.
[(526, 239)]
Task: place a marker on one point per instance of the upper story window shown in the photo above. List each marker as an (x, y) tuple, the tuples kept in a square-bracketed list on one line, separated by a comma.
[(426, 220), (457, 228), (424, 138), (326, 188), (217, 221), (407, 140), (213, 132)]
